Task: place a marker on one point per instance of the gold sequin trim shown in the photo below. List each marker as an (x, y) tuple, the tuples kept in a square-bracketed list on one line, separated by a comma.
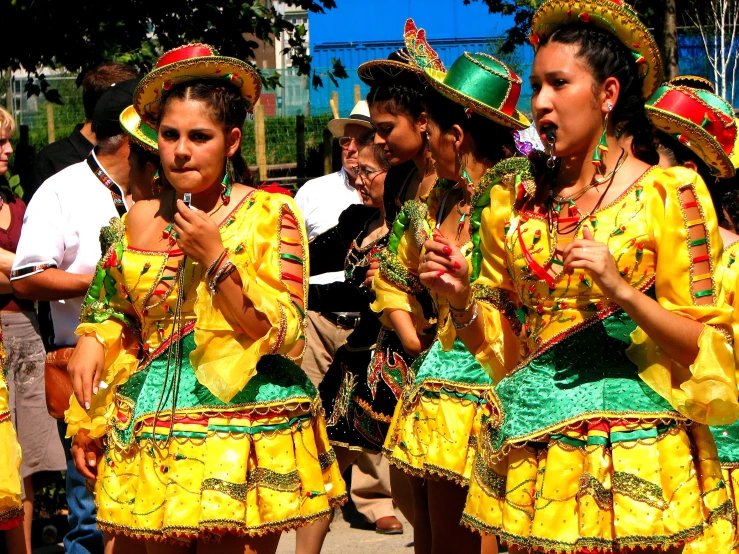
[(590, 486), (259, 477), (493, 484), (397, 274), (326, 459), (638, 489)]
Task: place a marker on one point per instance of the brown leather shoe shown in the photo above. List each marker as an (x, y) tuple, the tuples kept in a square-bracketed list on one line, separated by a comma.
[(389, 525)]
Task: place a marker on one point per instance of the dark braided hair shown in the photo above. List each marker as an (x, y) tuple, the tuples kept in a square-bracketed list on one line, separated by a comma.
[(493, 142), (226, 106), (606, 56), (730, 205), (677, 153), (397, 99)]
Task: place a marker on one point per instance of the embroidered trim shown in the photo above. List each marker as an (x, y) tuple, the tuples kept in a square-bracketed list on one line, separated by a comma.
[(397, 274), (29, 270), (684, 206)]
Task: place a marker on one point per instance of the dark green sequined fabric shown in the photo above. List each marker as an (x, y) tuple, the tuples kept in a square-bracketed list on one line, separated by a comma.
[(586, 373), (277, 379)]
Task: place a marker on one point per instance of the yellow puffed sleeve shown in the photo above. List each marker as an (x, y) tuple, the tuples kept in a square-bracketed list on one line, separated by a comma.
[(729, 276), (107, 314), (682, 224), (396, 283), (267, 245), (493, 289)]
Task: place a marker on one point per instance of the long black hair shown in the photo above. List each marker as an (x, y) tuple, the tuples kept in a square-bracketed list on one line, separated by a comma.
[(606, 56), (493, 142), (226, 106)]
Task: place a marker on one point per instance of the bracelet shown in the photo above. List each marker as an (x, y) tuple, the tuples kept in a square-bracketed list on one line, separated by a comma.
[(459, 326), (466, 308), (223, 273), (212, 267)]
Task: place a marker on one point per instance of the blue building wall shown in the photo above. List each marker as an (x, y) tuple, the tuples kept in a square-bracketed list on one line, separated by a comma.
[(356, 32)]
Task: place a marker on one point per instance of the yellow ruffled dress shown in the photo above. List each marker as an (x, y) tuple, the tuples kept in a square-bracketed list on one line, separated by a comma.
[(11, 507), (717, 537), (603, 444), (435, 428), (207, 430)]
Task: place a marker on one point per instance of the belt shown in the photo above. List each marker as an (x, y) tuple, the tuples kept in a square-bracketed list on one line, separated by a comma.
[(347, 320)]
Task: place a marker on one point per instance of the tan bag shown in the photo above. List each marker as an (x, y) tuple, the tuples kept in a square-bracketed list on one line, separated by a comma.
[(58, 382)]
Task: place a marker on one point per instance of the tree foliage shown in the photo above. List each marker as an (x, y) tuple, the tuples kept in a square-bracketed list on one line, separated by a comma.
[(80, 34), (651, 12)]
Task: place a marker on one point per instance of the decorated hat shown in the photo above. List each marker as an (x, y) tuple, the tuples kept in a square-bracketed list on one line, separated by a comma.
[(406, 64), (189, 63), (483, 85), (701, 121), (141, 133), (614, 16), (692, 81)]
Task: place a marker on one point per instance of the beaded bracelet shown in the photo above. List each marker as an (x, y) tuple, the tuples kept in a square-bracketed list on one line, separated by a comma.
[(459, 326), (212, 267), (226, 269), (466, 308)]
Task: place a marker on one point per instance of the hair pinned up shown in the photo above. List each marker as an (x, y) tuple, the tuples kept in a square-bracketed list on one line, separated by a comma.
[(606, 56), (226, 106), (398, 99)]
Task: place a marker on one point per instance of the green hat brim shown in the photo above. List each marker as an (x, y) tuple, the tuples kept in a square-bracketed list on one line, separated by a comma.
[(142, 134), (517, 121)]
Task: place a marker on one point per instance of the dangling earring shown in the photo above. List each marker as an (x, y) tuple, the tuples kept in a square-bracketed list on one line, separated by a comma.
[(226, 183), (603, 142), (156, 184), (551, 137), (465, 180)]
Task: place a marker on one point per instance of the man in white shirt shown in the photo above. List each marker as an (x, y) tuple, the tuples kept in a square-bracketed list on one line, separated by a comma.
[(58, 250), (321, 202)]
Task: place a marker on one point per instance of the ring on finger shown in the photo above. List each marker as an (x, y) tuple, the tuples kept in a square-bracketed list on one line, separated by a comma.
[(584, 249)]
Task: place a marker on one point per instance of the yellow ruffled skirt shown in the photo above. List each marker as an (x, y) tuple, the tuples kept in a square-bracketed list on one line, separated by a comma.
[(243, 473), (434, 430), (11, 507), (607, 487)]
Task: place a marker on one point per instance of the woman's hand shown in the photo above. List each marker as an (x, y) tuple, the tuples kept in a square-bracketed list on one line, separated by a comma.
[(445, 271), (197, 235), (85, 369), (597, 260), (374, 266), (86, 453)]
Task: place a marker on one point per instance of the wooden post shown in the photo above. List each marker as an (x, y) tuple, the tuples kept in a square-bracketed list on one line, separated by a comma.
[(334, 103), (300, 144), (50, 122), (328, 161), (261, 141), (357, 94)]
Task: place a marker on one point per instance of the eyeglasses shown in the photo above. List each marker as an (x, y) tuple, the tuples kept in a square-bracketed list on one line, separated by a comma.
[(344, 142), (366, 174)]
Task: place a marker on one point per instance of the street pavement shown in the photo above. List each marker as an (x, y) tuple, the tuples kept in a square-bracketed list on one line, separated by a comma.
[(343, 539)]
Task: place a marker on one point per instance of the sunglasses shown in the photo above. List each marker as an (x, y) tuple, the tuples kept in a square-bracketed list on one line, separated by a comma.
[(344, 142)]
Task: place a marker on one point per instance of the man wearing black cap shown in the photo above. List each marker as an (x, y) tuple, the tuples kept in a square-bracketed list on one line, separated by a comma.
[(57, 253)]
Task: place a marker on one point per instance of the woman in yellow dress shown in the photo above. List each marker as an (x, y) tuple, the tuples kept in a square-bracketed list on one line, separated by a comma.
[(183, 367), (602, 445), (697, 129), (433, 434), (11, 506)]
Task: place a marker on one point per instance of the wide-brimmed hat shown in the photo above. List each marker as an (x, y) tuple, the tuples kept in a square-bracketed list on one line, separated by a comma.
[(141, 133), (692, 81), (404, 65), (699, 120), (360, 116), (190, 63), (482, 84), (614, 16)]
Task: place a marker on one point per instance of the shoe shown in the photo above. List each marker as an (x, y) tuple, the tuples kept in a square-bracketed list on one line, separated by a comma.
[(389, 525)]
